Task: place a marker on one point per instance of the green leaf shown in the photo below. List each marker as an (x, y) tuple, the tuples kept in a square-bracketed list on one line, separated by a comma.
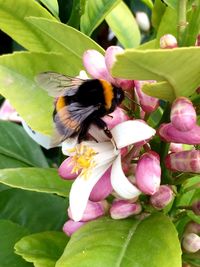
[(125, 243), (43, 249), (13, 23), (193, 27), (35, 211), (157, 13), (52, 6), (124, 25), (163, 65), (148, 3), (95, 13), (10, 233), (17, 147), (36, 179), (76, 13), (17, 74), (64, 39)]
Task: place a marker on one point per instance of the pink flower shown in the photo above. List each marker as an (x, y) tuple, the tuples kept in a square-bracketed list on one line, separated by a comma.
[(184, 161), (99, 67), (7, 112), (115, 117), (162, 197), (169, 134), (121, 209), (196, 207), (183, 115), (148, 103), (148, 173)]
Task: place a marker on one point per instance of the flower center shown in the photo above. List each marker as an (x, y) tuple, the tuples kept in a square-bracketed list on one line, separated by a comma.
[(83, 160)]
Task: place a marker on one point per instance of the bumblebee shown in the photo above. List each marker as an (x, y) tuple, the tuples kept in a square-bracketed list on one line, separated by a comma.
[(79, 103)]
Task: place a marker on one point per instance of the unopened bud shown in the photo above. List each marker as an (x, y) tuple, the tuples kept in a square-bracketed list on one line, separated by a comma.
[(176, 147), (168, 41), (93, 210), (65, 170), (183, 115), (192, 227), (71, 226), (121, 209), (102, 188), (148, 103), (191, 242), (169, 133), (162, 197), (148, 173), (184, 161), (115, 118)]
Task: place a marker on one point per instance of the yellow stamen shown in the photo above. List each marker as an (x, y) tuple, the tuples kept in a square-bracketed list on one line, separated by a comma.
[(83, 160)]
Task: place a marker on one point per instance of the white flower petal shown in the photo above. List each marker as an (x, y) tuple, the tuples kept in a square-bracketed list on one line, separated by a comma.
[(68, 144), (131, 132), (81, 189), (120, 183), (98, 134)]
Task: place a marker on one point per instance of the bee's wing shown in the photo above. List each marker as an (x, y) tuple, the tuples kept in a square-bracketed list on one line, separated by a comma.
[(69, 119), (57, 84)]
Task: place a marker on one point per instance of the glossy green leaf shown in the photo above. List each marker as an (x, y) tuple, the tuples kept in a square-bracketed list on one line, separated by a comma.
[(125, 243), (52, 6), (124, 25), (12, 22), (35, 211), (64, 39), (43, 249), (17, 74), (76, 13), (95, 13), (18, 147), (10, 233), (157, 13), (35, 179), (176, 69)]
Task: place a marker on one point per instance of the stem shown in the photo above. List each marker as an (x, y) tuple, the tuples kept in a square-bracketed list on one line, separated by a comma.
[(182, 20)]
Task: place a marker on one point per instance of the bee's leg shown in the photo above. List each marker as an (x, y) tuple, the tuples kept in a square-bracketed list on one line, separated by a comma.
[(84, 130), (102, 125)]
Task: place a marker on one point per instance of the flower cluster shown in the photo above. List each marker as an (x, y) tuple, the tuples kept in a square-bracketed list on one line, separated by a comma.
[(126, 167)]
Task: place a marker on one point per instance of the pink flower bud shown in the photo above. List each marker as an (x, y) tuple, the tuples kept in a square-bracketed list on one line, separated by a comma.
[(70, 227), (198, 40), (169, 133), (184, 161), (94, 63), (110, 59), (102, 188), (183, 115), (191, 242), (148, 103), (115, 118), (168, 41), (162, 197), (65, 170), (196, 207), (176, 147), (148, 173), (93, 210), (122, 209)]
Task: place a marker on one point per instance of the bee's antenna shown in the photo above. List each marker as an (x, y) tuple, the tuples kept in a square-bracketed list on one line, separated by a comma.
[(127, 95)]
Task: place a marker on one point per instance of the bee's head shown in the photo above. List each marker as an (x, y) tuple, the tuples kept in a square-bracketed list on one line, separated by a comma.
[(119, 95)]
